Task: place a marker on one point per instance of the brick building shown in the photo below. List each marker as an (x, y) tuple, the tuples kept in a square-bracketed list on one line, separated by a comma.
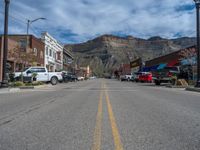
[(23, 51), (67, 60)]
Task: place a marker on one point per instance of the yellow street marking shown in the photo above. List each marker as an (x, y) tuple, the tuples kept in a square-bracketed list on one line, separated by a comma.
[(115, 132), (97, 133)]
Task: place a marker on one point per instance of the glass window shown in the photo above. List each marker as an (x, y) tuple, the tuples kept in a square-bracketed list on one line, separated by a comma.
[(35, 51), (47, 51), (50, 52), (22, 44), (37, 70)]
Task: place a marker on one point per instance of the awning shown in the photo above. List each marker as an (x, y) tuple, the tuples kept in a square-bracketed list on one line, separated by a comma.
[(172, 63), (161, 66), (146, 69), (153, 68), (191, 61)]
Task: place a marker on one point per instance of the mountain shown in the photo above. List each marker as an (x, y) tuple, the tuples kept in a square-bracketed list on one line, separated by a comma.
[(107, 52)]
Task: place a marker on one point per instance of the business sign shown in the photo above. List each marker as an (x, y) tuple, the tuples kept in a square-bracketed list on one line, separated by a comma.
[(136, 63)]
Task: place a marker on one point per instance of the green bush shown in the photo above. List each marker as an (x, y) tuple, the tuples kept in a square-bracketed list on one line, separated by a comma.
[(35, 83), (18, 83), (12, 77), (28, 84)]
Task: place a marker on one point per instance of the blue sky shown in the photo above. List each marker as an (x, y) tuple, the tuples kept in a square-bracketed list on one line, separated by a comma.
[(74, 21)]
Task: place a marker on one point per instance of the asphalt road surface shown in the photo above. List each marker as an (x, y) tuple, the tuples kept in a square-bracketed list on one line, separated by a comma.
[(100, 114)]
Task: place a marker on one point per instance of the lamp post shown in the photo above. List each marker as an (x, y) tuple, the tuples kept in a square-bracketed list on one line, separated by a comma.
[(31, 21), (197, 3), (5, 51)]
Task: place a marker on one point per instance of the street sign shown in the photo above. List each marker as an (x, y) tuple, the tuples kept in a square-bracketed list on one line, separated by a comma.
[(136, 63)]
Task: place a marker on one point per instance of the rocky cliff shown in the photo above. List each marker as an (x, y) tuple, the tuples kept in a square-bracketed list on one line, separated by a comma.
[(107, 52)]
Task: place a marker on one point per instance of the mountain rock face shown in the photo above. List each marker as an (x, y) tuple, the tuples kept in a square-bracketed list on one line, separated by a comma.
[(107, 52)]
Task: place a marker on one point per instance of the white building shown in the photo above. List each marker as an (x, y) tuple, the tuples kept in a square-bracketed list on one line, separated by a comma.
[(53, 53)]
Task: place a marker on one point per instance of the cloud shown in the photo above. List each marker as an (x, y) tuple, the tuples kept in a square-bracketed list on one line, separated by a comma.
[(79, 20)]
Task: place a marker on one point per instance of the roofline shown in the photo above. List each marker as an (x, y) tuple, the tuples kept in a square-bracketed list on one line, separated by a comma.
[(171, 53), (30, 35)]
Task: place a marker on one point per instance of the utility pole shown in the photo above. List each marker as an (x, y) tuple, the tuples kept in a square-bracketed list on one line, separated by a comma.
[(197, 2), (5, 45)]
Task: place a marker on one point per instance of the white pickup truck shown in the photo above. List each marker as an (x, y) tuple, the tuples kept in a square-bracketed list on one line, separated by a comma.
[(125, 77), (42, 74)]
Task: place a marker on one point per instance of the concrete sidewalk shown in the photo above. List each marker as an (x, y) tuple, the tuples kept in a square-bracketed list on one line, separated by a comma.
[(193, 89), (18, 89), (9, 90)]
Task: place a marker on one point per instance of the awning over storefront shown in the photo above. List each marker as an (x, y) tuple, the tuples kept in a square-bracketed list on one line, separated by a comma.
[(148, 69), (153, 68), (172, 63), (191, 61), (161, 66)]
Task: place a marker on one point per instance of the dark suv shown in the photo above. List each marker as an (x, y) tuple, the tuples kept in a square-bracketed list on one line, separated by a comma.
[(69, 77), (166, 75)]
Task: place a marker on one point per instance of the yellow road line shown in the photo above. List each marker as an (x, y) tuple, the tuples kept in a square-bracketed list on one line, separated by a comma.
[(97, 133), (115, 131)]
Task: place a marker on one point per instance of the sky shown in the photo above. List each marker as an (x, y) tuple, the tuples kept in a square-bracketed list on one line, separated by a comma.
[(76, 21)]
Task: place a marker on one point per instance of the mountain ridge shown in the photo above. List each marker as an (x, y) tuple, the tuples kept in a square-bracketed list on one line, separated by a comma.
[(106, 52)]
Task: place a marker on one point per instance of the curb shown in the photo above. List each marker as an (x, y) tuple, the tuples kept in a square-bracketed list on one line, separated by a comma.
[(42, 86), (26, 87), (193, 89), (173, 86), (14, 89)]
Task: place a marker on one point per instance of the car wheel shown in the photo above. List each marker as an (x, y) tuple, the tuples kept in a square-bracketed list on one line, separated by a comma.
[(54, 80)]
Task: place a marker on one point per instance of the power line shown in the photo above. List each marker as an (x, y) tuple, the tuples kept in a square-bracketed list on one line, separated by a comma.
[(13, 17)]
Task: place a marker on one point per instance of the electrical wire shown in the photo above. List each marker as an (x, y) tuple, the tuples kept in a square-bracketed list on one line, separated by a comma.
[(14, 18)]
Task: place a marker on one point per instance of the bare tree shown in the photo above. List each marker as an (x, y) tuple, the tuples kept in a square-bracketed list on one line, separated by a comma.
[(26, 58)]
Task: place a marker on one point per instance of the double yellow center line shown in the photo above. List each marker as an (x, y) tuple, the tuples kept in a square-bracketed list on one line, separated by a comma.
[(98, 128)]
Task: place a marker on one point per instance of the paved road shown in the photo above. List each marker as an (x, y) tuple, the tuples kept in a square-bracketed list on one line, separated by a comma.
[(100, 114)]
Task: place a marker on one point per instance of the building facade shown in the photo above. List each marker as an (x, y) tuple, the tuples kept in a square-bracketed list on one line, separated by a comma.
[(53, 53), (23, 51), (67, 60), (170, 59)]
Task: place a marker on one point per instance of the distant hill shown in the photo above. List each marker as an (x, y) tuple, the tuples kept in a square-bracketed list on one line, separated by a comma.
[(107, 52)]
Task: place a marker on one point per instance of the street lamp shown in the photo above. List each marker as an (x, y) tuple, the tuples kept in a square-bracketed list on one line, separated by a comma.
[(31, 21), (197, 3), (5, 51)]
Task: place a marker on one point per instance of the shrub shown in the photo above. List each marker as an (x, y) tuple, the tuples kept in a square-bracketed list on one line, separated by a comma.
[(12, 77), (18, 83), (35, 83), (28, 84)]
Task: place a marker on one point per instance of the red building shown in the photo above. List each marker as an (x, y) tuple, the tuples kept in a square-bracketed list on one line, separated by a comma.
[(23, 51)]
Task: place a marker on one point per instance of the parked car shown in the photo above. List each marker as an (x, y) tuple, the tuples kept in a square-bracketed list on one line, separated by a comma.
[(81, 78), (135, 76), (93, 77), (69, 77), (145, 77), (42, 74), (166, 75), (125, 77)]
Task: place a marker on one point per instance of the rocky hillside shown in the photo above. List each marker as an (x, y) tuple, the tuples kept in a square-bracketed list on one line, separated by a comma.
[(107, 52)]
